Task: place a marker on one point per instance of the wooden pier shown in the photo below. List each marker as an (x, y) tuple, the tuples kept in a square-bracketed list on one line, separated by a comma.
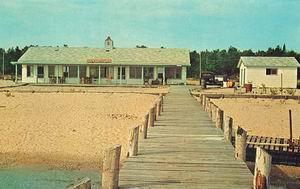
[(184, 150)]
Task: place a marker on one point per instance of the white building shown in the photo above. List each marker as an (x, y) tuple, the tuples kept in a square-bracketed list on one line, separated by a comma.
[(271, 71), (108, 65)]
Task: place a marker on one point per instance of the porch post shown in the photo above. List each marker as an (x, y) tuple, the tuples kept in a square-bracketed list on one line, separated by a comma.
[(121, 75), (16, 73), (35, 73), (164, 76), (57, 72), (99, 75), (143, 75), (78, 72)]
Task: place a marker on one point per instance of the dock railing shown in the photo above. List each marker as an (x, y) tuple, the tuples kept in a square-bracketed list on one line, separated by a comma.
[(238, 136), (111, 160)]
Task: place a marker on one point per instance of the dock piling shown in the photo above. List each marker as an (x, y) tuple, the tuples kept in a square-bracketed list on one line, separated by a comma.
[(111, 168), (219, 117), (133, 141), (263, 162), (240, 143), (227, 128)]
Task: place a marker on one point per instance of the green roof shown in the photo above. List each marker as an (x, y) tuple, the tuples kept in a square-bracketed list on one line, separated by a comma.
[(118, 56), (268, 62)]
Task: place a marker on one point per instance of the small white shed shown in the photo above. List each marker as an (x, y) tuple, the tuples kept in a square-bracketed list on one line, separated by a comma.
[(271, 71)]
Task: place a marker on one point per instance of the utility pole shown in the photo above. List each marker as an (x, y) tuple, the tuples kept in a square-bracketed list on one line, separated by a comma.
[(3, 63), (200, 68)]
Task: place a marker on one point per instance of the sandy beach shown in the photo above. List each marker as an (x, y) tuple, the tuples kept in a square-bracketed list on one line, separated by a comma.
[(263, 117), (69, 130)]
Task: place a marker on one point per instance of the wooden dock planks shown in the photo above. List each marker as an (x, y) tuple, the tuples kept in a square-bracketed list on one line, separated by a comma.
[(184, 150)]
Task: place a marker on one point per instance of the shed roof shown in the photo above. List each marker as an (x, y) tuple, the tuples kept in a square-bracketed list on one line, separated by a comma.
[(268, 62), (122, 56)]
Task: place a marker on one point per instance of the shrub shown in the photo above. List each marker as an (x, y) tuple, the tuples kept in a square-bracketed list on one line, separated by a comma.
[(290, 91), (274, 91)]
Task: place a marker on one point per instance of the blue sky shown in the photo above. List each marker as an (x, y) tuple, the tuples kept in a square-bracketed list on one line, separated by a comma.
[(193, 24)]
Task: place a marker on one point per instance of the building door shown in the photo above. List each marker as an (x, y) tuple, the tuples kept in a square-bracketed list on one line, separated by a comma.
[(121, 74)]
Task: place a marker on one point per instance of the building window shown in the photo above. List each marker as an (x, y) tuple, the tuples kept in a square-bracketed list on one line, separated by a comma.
[(51, 71), (82, 71), (271, 71), (94, 72), (148, 72), (70, 71), (73, 71), (29, 71), (135, 72), (40, 71), (104, 72), (173, 72), (123, 72)]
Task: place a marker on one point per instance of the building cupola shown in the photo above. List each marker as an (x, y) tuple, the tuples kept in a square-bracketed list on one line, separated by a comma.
[(108, 44)]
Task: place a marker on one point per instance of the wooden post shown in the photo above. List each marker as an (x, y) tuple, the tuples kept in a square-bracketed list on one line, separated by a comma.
[(200, 98), (227, 128), (203, 101), (144, 127), (161, 102), (133, 142), (84, 183), (219, 117), (291, 126), (151, 117), (209, 109), (155, 110), (111, 168), (158, 108), (213, 111), (206, 104), (263, 162), (240, 144)]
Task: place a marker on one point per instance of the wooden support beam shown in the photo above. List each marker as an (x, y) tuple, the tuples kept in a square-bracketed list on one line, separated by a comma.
[(219, 117), (144, 127), (240, 143), (263, 163), (84, 183), (227, 128), (133, 142), (111, 168), (268, 144)]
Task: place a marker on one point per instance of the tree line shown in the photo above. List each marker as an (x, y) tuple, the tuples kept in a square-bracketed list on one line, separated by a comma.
[(225, 61), (217, 61)]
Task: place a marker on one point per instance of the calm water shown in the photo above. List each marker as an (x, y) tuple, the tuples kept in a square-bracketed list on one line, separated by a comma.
[(42, 178)]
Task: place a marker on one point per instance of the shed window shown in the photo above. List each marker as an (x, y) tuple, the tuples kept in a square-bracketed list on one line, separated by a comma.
[(271, 71), (40, 71), (135, 72), (29, 71)]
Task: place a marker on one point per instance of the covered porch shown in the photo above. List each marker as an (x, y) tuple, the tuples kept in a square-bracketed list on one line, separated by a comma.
[(99, 74)]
